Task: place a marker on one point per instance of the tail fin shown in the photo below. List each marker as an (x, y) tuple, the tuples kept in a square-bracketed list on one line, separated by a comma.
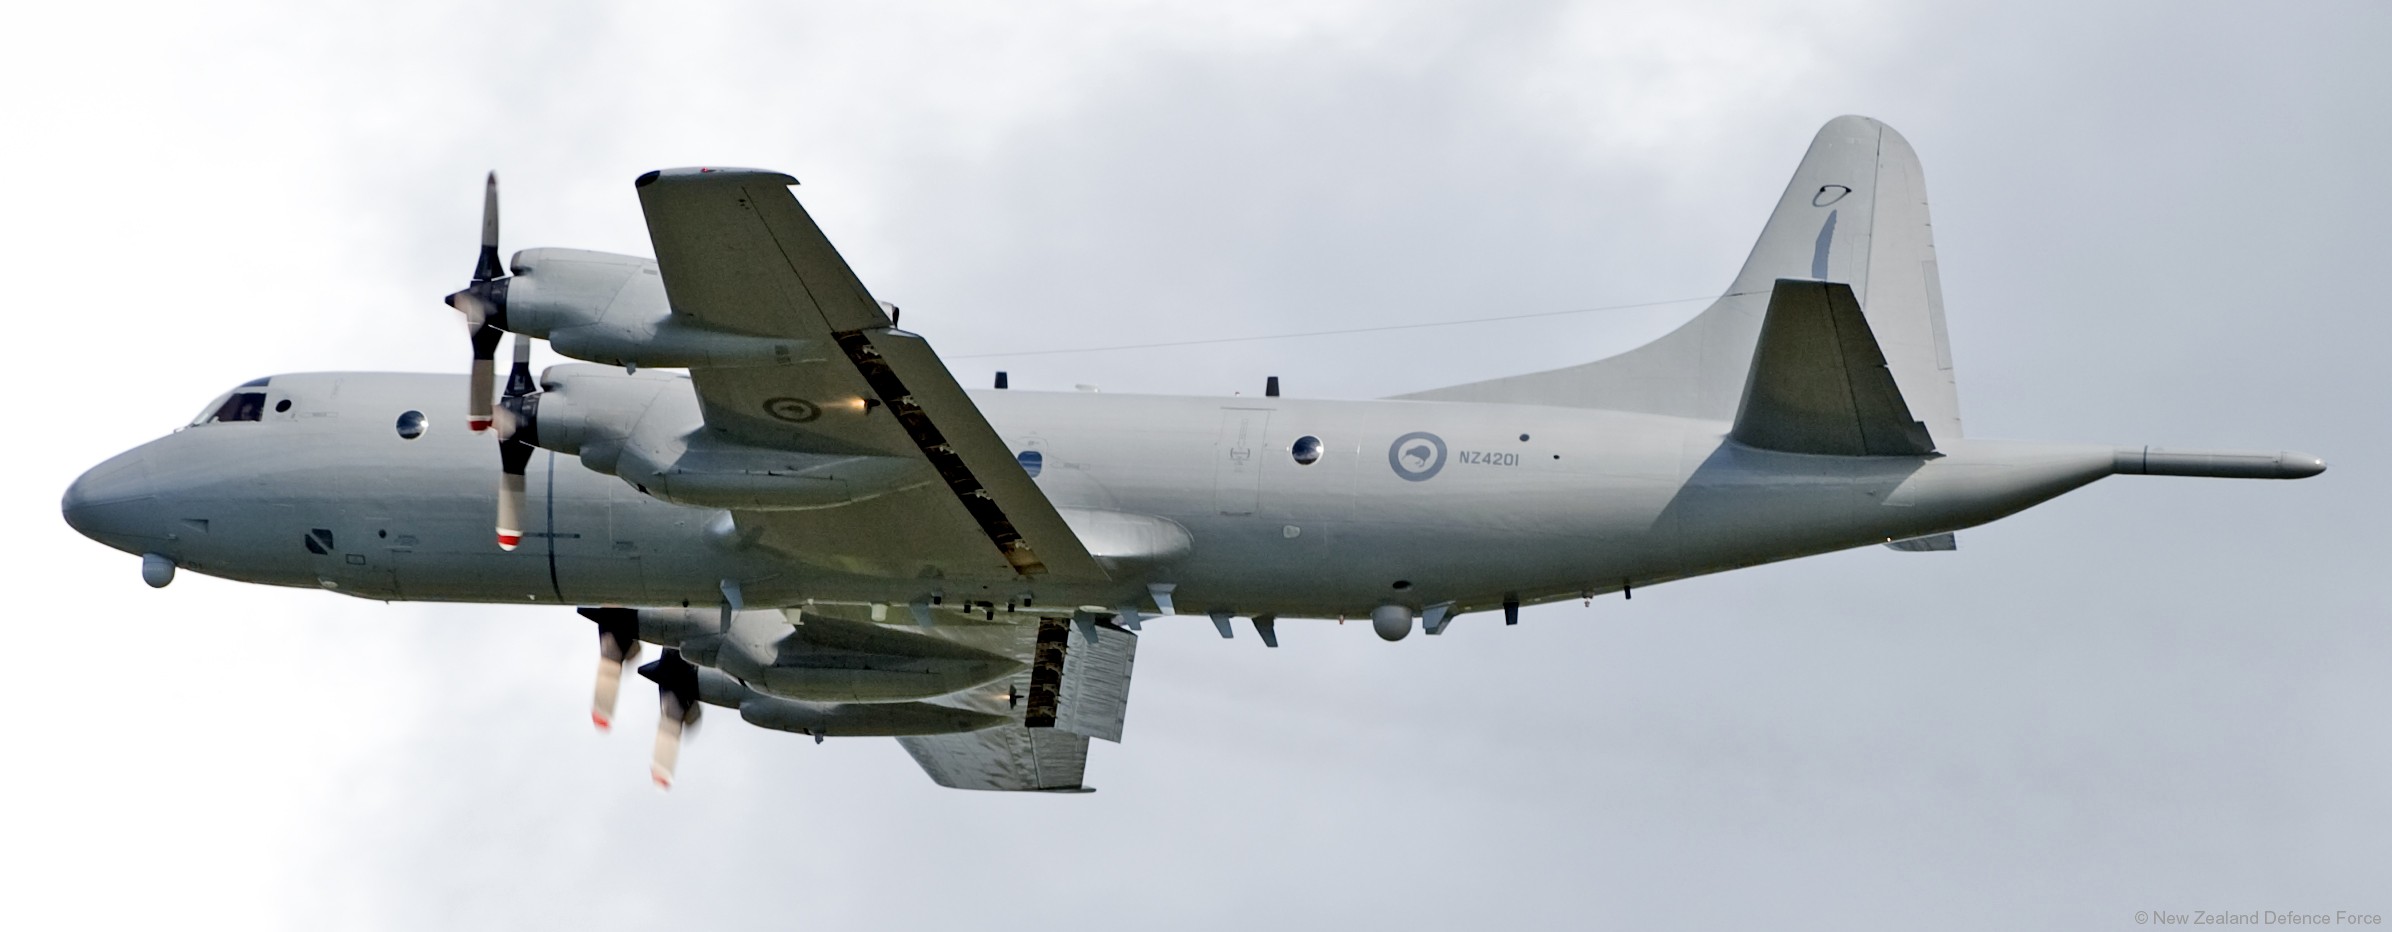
[(1856, 212)]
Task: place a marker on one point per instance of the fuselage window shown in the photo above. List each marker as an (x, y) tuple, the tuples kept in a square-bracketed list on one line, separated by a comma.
[(411, 425), (242, 406), (1307, 450), (1032, 461)]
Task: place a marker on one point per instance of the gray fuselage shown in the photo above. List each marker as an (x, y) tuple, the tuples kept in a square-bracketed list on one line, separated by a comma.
[(1409, 503)]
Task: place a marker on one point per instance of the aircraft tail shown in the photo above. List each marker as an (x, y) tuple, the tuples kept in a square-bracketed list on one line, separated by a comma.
[(1855, 212)]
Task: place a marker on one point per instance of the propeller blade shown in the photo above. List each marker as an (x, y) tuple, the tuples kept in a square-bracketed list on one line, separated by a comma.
[(618, 644), (484, 303), (668, 742), (519, 377), (510, 509), (514, 450), (677, 704), (486, 267), (610, 682), (484, 375)]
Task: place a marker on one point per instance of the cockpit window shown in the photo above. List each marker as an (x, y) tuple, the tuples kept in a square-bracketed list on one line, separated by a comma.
[(244, 403), (240, 406)]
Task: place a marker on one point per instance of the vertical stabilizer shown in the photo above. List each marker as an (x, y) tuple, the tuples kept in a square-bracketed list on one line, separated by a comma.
[(1855, 212)]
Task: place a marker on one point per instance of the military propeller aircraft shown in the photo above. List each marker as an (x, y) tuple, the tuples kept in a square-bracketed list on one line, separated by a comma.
[(757, 471)]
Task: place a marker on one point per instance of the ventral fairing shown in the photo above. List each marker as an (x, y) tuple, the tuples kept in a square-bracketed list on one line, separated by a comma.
[(755, 470)]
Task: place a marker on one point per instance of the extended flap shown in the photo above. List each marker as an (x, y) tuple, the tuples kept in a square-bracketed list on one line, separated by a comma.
[(1006, 758)]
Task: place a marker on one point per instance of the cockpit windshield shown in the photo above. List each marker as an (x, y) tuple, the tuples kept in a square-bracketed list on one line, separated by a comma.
[(247, 403)]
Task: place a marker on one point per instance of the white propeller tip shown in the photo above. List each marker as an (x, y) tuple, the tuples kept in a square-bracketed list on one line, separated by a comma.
[(508, 541), (601, 722), (664, 781)]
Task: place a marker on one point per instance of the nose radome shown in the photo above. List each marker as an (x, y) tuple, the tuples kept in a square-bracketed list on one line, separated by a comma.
[(115, 503)]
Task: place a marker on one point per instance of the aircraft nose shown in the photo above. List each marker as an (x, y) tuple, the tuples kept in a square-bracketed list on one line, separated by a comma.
[(115, 503)]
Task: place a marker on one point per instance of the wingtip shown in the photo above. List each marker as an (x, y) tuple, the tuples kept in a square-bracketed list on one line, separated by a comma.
[(723, 173)]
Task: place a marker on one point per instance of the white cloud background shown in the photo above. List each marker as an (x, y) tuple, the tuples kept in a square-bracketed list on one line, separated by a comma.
[(2159, 222)]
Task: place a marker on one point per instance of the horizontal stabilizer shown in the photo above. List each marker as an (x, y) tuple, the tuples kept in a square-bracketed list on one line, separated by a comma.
[(1819, 384)]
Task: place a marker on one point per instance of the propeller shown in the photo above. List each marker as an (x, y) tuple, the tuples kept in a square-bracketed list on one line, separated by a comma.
[(484, 303), (618, 644), (516, 429), (677, 698)]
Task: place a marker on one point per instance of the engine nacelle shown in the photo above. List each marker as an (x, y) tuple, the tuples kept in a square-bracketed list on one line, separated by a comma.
[(583, 409), (837, 720), (698, 470), (647, 430), (824, 659), (612, 309)]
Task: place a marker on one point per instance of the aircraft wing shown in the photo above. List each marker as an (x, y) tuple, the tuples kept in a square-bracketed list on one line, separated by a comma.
[(738, 254)]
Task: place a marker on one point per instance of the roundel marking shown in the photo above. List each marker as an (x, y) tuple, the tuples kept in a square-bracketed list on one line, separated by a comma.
[(793, 410), (1417, 456), (1829, 194)]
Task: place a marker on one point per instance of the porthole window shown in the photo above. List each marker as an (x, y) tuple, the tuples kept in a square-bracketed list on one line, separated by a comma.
[(1307, 450), (282, 406), (1031, 461), (411, 425)]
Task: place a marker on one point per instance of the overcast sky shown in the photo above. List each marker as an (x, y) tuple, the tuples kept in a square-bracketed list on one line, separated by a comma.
[(2158, 223)]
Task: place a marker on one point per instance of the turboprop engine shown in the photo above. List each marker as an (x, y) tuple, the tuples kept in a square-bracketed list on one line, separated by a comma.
[(613, 309), (820, 659), (610, 309), (646, 429), (588, 305), (681, 687), (838, 720)]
